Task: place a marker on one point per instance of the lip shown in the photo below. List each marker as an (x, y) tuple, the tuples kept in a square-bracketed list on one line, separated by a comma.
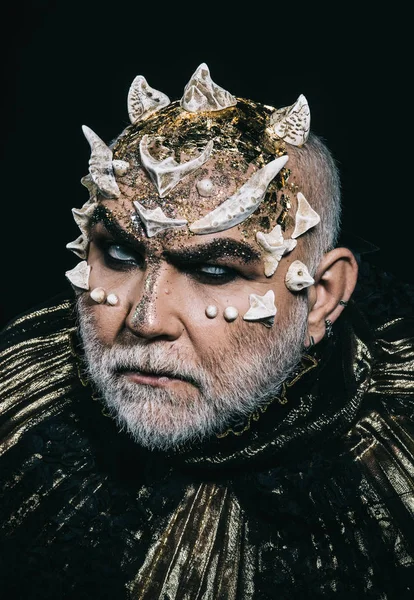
[(151, 379)]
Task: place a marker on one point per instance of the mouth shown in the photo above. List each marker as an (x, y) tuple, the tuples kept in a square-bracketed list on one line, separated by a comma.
[(154, 378)]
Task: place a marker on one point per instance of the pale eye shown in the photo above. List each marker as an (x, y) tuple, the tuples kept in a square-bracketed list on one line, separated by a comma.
[(120, 253), (213, 270)]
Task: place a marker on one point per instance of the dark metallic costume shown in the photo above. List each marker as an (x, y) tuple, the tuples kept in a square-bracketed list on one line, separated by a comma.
[(312, 498)]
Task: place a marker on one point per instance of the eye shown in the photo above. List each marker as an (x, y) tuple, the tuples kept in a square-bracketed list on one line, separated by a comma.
[(213, 273), (120, 253), (119, 257), (213, 270)]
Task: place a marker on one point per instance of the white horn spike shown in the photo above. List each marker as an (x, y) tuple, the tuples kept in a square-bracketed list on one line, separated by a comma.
[(92, 188), (100, 164), (274, 247), (297, 277), (202, 94), (167, 173), (155, 220), (243, 203), (292, 123), (79, 275), (144, 100), (82, 217), (261, 307), (305, 217), (79, 246)]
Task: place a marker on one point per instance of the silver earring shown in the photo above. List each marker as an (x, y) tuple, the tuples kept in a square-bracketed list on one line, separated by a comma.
[(343, 303), (211, 311), (329, 330), (311, 344)]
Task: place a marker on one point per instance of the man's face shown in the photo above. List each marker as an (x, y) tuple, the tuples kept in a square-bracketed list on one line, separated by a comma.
[(168, 372)]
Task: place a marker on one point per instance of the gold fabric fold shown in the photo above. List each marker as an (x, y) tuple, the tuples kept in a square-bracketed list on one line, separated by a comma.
[(40, 374), (393, 372), (198, 556)]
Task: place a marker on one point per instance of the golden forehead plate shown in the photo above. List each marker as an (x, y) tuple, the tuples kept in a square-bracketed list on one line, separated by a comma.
[(239, 128)]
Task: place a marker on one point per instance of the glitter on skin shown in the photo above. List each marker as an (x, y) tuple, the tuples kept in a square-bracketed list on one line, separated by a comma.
[(144, 305), (212, 250)]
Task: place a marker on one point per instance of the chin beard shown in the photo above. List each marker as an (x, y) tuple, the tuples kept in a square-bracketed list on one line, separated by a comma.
[(227, 385)]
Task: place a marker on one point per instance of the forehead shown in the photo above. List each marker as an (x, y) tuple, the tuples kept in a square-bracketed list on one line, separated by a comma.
[(224, 175), (239, 149), (238, 153)]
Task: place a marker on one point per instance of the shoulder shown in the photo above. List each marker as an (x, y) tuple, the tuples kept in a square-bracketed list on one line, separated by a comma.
[(54, 314), (37, 364), (381, 439)]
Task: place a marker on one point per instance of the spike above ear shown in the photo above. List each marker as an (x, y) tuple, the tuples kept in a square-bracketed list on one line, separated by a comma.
[(202, 94), (305, 218), (298, 277), (291, 124), (143, 100), (100, 165)]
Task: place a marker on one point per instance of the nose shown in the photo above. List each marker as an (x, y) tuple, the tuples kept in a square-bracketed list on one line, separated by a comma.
[(154, 305)]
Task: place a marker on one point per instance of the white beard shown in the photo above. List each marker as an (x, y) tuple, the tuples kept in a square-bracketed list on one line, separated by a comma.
[(229, 384)]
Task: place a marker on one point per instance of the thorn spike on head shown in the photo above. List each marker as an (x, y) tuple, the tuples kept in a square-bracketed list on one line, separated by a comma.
[(144, 100), (167, 173), (291, 123), (202, 94), (100, 164), (79, 246), (155, 221), (249, 197)]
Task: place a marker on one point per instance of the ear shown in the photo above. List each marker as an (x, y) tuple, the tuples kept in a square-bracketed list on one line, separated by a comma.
[(335, 280)]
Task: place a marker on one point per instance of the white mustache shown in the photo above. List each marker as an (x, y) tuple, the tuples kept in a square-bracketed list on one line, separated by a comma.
[(152, 361)]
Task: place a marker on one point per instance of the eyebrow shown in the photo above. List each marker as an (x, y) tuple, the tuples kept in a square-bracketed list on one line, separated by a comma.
[(104, 215), (212, 250), (216, 248)]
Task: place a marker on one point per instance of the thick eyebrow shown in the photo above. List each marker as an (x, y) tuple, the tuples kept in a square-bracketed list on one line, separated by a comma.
[(216, 248), (212, 250)]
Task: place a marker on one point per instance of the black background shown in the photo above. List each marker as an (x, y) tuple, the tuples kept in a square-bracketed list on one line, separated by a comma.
[(68, 64)]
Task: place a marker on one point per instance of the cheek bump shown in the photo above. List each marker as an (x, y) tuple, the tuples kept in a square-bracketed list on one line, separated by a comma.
[(211, 311), (112, 299), (98, 295), (231, 313)]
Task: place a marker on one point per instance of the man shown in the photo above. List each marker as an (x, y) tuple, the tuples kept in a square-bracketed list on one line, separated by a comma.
[(208, 415)]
